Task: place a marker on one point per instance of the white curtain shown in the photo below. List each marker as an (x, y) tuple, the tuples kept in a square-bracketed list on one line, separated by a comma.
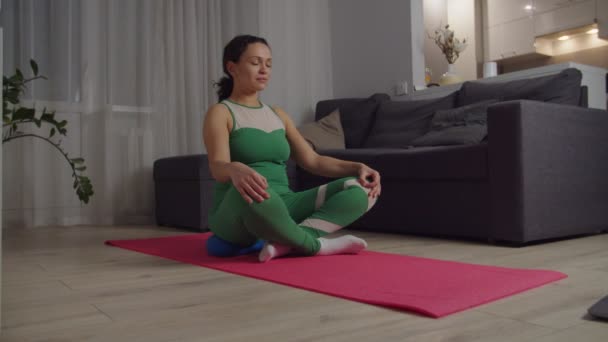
[(147, 86), (134, 79), (299, 35)]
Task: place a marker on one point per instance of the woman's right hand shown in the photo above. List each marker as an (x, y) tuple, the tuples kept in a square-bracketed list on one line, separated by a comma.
[(250, 184)]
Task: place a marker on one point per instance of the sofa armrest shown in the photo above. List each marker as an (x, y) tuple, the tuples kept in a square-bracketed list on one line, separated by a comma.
[(194, 166), (183, 191), (548, 168)]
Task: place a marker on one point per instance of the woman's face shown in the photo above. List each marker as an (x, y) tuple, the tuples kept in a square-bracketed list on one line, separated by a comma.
[(252, 72)]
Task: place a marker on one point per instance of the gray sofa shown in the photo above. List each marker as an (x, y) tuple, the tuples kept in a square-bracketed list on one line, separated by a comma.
[(540, 173)]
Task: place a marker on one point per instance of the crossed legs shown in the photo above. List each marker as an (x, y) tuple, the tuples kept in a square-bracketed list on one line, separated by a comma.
[(321, 211)]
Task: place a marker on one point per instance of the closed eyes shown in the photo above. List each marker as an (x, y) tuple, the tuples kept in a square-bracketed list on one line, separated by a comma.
[(257, 60)]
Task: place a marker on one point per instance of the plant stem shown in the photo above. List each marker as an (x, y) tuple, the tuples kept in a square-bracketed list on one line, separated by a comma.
[(47, 140), (33, 78)]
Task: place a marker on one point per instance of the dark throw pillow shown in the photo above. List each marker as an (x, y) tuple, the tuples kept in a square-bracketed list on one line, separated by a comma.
[(458, 126), (357, 118), (399, 122)]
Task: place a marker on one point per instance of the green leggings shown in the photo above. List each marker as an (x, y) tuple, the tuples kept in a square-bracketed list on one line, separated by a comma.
[(295, 219)]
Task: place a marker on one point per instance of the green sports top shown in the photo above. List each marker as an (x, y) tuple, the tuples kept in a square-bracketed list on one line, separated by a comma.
[(258, 140)]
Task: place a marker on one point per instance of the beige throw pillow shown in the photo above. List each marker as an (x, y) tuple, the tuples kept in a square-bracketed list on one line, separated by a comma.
[(326, 133)]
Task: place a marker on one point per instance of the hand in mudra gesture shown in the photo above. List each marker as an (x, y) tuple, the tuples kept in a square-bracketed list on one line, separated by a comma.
[(249, 183), (370, 179)]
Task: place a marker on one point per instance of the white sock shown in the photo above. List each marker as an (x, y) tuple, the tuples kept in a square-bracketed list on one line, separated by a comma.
[(271, 251), (347, 244)]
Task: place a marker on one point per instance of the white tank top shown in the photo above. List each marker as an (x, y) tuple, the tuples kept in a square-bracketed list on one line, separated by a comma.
[(263, 117)]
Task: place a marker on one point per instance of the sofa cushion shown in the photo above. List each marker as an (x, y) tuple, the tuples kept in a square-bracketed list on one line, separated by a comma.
[(474, 113), (438, 162), (456, 135), (457, 126), (357, 117), (421, 163), (563, 88), (325, 133), (399, 122), (326, 107)]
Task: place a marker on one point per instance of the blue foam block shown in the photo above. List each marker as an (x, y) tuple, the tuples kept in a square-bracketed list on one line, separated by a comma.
[(221, 248)]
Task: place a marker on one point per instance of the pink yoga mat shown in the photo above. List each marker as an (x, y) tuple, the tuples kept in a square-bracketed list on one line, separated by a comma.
[(434, 288)]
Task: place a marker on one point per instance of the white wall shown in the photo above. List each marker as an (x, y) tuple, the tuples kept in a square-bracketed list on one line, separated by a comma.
[(371, 46)]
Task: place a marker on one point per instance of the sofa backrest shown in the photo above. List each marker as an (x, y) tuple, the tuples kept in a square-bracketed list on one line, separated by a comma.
[(356, 116), (325, 107), (399, 122), (359, 116), (563, 88)]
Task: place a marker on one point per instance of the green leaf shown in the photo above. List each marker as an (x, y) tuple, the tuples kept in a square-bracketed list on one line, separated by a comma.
[(34, 66), (14, 80), (77, 160), (19, 74), (52, 133), (24, 113), (12, 96), (81, 168), (46, 117)]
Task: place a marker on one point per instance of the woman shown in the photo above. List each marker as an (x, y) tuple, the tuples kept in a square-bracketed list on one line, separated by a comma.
[(248, 144)]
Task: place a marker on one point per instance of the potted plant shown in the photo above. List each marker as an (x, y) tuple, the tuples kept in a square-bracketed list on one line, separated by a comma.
[(14, 116)]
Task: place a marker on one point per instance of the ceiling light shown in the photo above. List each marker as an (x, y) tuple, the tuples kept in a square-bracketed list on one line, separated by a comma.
[(592, 31), (563, 38), (528, 7)]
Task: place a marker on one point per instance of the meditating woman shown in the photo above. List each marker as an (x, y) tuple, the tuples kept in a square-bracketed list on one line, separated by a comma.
[(248, 144)]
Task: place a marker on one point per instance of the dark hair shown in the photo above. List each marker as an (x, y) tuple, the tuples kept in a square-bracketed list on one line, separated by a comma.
[(232, 52)]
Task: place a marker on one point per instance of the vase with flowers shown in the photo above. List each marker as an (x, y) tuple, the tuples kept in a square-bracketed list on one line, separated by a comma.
[(451, 48)]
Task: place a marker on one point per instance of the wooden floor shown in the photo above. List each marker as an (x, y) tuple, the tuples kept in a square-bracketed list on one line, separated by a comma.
[(64, 284)]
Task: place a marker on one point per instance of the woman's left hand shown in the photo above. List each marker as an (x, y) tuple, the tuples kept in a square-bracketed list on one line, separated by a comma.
[(370, 179)]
